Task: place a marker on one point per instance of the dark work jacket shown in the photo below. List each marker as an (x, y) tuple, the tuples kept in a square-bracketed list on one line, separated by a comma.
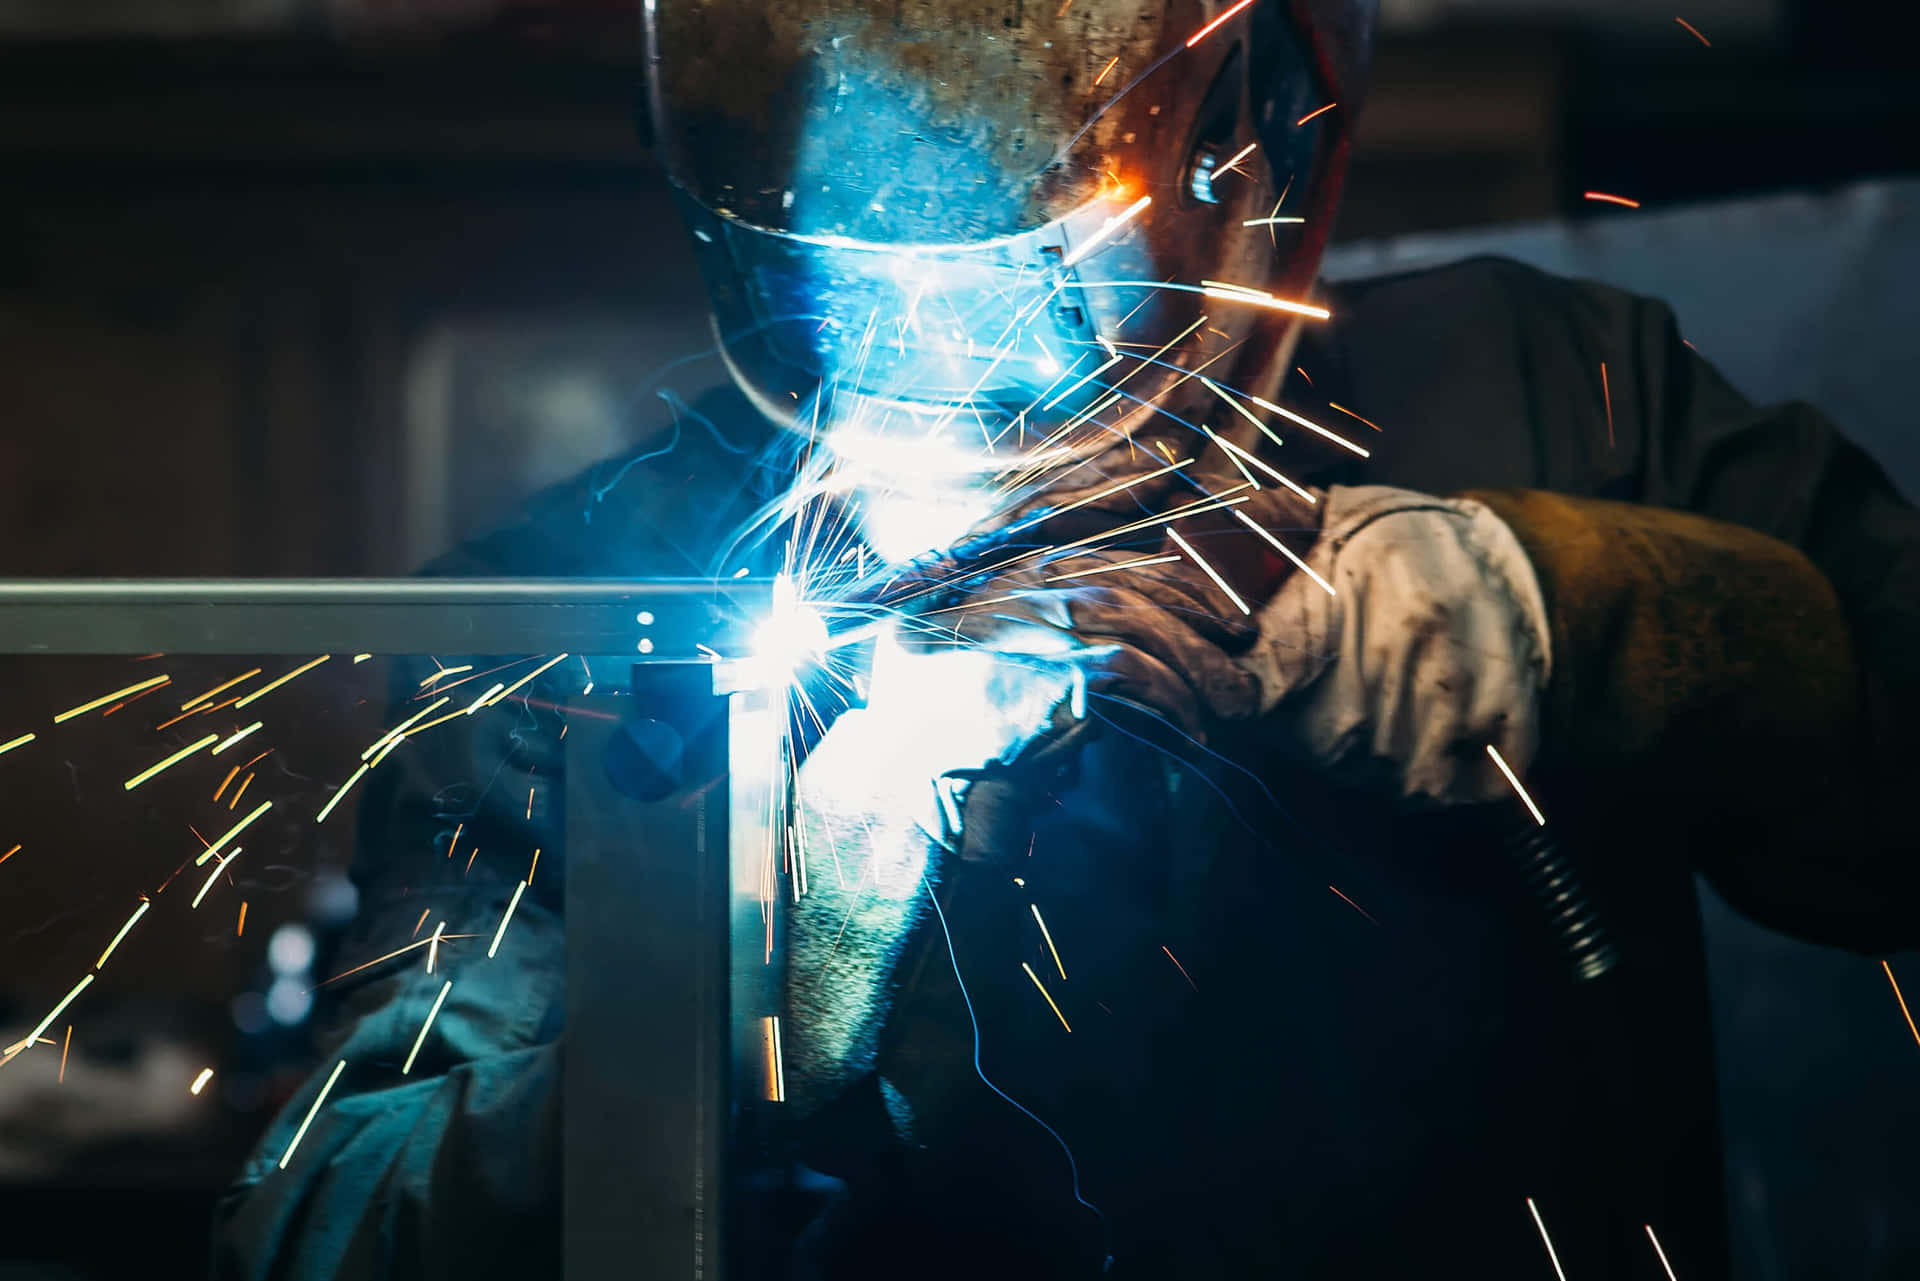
[(1263, 1079)]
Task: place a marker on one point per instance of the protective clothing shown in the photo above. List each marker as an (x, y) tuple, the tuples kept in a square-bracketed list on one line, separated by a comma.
[(1325, 1093)]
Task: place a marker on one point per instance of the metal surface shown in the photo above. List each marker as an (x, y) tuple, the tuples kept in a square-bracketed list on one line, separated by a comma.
[(378, 616), (647, 1063)]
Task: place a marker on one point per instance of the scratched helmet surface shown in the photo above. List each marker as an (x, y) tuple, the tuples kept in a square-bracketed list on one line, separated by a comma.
[(964, 208)]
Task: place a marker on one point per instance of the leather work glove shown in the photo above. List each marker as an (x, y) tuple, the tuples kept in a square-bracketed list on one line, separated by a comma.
[(1419, 639)]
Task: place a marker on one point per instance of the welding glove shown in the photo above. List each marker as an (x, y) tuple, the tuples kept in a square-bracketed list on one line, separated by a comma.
[(1417, 639)]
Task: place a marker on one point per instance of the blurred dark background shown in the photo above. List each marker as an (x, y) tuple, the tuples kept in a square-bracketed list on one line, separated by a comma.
[(318, 287)]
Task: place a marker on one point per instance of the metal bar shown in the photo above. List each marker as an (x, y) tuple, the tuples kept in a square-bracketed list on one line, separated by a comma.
[(379, 616)]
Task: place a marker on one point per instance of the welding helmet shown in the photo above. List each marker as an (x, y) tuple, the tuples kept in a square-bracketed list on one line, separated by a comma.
[(1018, 230)]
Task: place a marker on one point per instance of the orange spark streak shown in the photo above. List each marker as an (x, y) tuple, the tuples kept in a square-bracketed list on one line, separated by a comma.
[(240, 929), (64, 1047), (1183, 969), (1662, 1253), (1355, 906), (1348, 412), (1211, 27), (256, 760), (1606, 393), (128, 702), (224, 782), (1049, 998), (272, 685), (529, 804), (470, 858), (1903, 1001), (417, 924), (457, 829), (1311, 114), (151, 683), (9, 854), (1611, 200), (535, 867), (1703, 40), (1303, 373), (242, 792), (1104, 70)]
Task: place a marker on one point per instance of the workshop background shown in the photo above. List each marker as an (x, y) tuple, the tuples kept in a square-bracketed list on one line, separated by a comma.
[(319, 287)]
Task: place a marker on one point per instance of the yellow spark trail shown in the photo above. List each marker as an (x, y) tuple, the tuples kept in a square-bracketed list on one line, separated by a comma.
[(104, 699), (1237, 455), (312, 1112), (481, 701), (200, 1082), (1049, 998), (270, 686), (776, 1059), (1288, 552), (1210, 571), (507, 916), (1545, 1239), (404, 726), (421, 1040), (446, 671), (509, 691), (22, 741), (1049, 938), (1310, 425), (1513, 778), (345, 787), (52, 1014), (235, 737), (213, 876), (138, 912), (1107, 230), (1228, 292), (174, 759), (217, 690), (232, 832)]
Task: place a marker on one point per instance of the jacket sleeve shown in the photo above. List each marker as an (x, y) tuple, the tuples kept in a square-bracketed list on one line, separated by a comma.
[(1807, 569)]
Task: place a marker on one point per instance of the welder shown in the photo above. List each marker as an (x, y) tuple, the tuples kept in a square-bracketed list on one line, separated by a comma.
[(1230, 608)]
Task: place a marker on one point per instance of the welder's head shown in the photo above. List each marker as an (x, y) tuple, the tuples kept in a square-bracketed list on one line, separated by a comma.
[(983, 231)]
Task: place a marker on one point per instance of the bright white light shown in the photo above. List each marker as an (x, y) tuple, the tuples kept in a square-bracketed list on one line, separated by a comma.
[(290, 950), (899, 527), (793, 634)]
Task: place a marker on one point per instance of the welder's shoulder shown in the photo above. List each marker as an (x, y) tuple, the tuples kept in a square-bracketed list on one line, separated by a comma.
[(661, 508)]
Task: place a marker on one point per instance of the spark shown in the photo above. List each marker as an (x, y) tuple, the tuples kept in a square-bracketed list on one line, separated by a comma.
[(470, 857), (235, 737), (433, 944), (1108, 569), (481, 701), (1108, 492), (1545, 1239), (345, 787), (776, 1059), (529, 805), (1610, 199), (138, 912), (422, 921), (398, 951), (65, 1045), (232, 832), (217, 690), (1662, 1253), (22, 741), (1355, 906), (360, 658), (1106, 231), (224, 782), (52, 1014), (1209, 570), (457, 829), (213, 876), (270, 686), (150, 683), (1104, 70), (1183, 969), (1236, 454), (1088, 377), (1286, 551), (1606, 394), (535, 867), (1314, 427), (1311, 114), (234, 803), (175, 720), (174, 759), (312, 1112), (509, 691), (9, 854), (1260, 298), (1273, 222), (240, 928), (200, 1082), (1048, 936), (421, 1040), (1238, 156), (505, 917), (1903, 1001), (446, 671), (1304, 374), (1703, 40), (404, 726), (1513, 778), (1343, 409), (1049, 997), (1211, 27)]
